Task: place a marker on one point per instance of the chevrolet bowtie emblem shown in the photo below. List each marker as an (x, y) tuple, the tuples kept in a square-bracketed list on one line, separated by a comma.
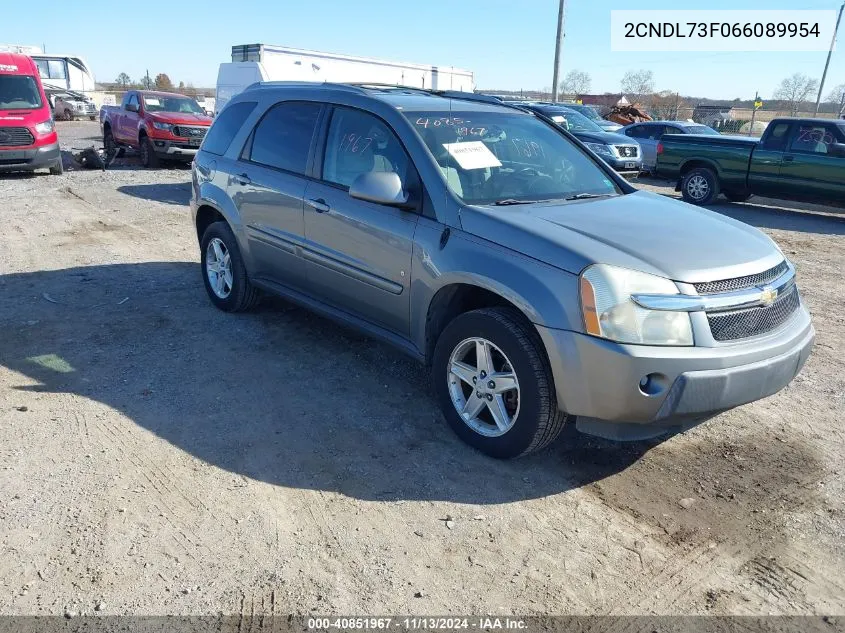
[(768, 295)]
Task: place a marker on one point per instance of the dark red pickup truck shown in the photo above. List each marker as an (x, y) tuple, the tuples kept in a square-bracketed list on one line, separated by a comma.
[(160, 125)]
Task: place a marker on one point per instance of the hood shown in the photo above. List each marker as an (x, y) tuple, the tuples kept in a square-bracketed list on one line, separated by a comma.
[(608, 138), (180, 118), (642, 231)]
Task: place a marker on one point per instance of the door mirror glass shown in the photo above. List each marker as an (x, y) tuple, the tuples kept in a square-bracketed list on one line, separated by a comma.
[(836, 149), (380, 187), (132, 107)]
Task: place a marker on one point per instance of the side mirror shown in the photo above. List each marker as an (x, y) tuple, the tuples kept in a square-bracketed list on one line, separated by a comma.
[(836, 149), (380, 187), (131, 107)]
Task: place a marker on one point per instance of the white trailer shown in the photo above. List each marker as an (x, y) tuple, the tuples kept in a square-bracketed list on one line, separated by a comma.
[(264, 62)]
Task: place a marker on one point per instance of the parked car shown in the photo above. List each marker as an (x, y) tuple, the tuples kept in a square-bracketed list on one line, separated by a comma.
[(28, 139), (536, 283), (69, 105), (593, 114), (618, 151), (160, 125), (795, 159), (649, 133)]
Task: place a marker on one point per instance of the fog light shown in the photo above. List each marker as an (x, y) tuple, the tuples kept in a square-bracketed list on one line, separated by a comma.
[(653, 384)]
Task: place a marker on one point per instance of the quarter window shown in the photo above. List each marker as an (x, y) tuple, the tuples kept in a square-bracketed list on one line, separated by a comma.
[(776, 138), (226, 126), (282, 139), (358, 143)]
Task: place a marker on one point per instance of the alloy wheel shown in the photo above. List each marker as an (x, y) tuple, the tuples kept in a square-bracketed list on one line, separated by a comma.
[(218, 268), (483, 387)]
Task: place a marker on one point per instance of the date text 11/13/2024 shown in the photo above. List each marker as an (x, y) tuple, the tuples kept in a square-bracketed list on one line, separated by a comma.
[(417, 623)]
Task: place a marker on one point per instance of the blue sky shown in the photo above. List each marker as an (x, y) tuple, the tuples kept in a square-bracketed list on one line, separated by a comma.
[(508, 44)]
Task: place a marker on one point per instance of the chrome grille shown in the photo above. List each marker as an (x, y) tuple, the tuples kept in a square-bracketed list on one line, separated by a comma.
[(729, 326), (189, 131), (739, 283), (627, 151), (15, 137)]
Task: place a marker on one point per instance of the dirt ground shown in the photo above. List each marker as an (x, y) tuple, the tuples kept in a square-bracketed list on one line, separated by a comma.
[(160, 457)]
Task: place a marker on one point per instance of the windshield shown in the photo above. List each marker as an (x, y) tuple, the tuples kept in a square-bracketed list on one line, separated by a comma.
[(701, 129), (587, 111), (19, 92), (504, 157), (159, 103), (572, 121)]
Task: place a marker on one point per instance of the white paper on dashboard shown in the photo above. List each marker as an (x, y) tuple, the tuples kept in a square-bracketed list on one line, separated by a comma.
[(472, 155), (152, 102)]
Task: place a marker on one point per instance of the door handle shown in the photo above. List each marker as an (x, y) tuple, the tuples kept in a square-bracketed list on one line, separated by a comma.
[(319, 205), (788, 159), (243, 179)]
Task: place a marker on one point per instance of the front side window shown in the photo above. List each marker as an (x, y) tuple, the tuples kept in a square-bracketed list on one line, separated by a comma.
[(18, 92), (499, 157), (160, 103), (57, 69), (282, 139), (359, 142), (815, 139)]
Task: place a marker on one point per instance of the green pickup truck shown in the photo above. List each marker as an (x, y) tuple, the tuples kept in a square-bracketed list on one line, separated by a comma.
[(796, 159)]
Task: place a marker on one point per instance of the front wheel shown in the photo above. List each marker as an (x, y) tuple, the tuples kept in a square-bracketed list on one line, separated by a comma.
[(149, 158), (92, 118), (494, 385), (224, 272), (700, 186), (57, 168)]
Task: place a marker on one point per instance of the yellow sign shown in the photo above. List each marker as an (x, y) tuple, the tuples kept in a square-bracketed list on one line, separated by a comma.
[(579, 102), (758, 104)]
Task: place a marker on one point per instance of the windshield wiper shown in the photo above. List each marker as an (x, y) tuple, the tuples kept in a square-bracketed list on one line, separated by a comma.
[(587, 196), (509, 201)]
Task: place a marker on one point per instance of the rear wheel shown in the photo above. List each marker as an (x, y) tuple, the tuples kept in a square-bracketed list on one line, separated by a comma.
[(68, 115), (224, 272), (149, 158), (493, 383), (700, 186)]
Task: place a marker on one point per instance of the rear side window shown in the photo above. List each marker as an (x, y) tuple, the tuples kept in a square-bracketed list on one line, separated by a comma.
[(225, 127), (282, 139), (637, 131), (776, 139), (815, 139)]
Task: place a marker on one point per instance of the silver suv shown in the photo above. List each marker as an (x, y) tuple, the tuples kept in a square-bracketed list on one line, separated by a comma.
[(485, 241)]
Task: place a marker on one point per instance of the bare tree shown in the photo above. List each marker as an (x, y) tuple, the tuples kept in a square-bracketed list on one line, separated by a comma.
[(576, 82), (638, 83), (123, 80), (666, 105), (837, 96), (795, 90)]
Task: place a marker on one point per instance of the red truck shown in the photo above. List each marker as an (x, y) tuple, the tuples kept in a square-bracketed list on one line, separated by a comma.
[(28, 139), (160, 125)]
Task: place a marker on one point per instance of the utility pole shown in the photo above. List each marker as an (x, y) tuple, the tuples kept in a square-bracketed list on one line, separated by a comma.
[(558, 46), (753, 113), (827, 63)]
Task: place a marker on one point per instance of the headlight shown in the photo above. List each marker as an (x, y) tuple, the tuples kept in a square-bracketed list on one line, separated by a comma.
[(609, 311), (162, 126), (601, 149), (46, 127)]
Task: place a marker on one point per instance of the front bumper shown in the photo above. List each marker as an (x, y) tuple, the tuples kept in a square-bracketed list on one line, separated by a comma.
[(599, 381), (29, 159), (174, 149), (625, 165)]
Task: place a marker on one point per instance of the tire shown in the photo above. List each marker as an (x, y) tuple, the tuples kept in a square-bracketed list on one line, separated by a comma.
[(57, 168), (92, 118), (537, 421), (68, 115), (242, 295), (737, 197), (109, 145), (700, 186), (149, 158)]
